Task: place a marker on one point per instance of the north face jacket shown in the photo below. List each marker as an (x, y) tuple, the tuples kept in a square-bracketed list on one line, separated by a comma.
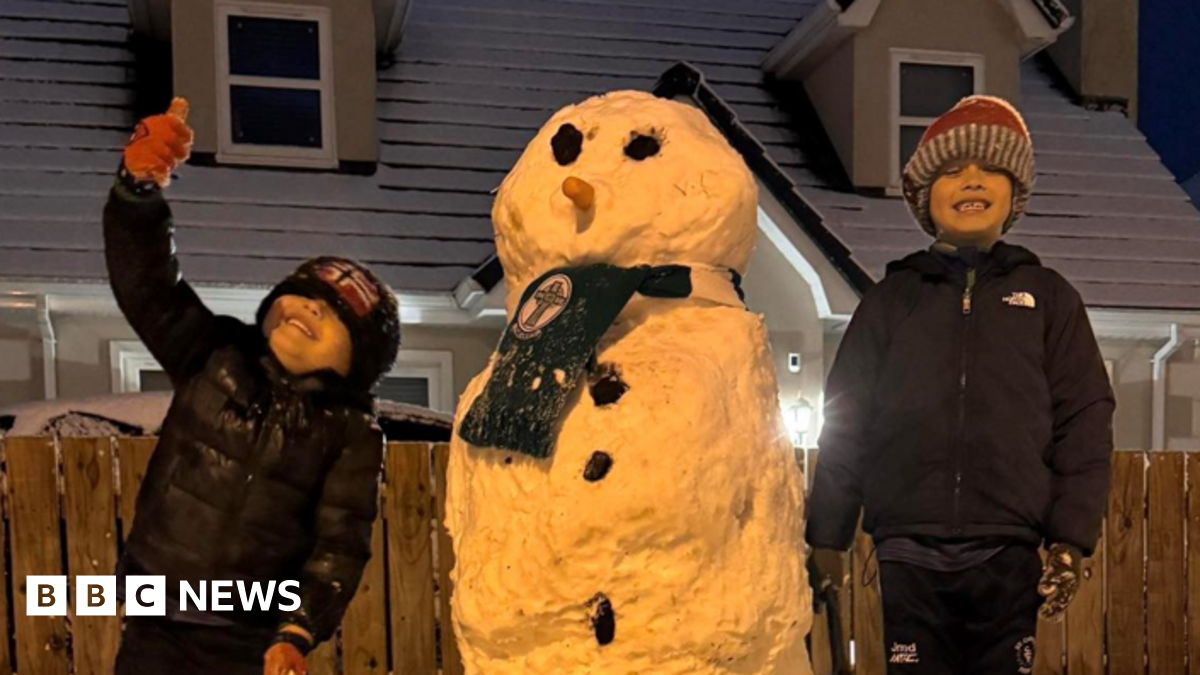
[(258, 475), (968, 400)]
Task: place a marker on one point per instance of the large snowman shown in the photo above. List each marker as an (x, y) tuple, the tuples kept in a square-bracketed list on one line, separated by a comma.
[(630, 503)]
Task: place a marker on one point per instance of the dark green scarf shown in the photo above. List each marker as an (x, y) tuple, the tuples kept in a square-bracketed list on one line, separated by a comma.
[(552, 338)]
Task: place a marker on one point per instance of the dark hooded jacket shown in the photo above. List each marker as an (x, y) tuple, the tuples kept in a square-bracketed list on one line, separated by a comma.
[(258, 475), (959, 413)]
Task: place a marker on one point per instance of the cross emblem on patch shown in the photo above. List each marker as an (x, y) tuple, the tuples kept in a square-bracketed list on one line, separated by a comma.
[(546, 303), (352, 285)]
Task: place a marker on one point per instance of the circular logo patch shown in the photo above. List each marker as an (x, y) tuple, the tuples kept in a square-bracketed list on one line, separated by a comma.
[(1025, 650), (545, 305)]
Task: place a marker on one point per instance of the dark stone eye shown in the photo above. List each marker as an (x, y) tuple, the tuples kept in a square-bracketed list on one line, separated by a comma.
[(567, 144), (641, 147)]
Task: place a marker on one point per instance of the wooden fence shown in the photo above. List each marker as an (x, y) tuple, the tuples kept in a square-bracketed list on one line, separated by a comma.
[(66, 504)]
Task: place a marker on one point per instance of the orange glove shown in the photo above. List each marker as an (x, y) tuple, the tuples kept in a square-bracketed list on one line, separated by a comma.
[(159, 144), (284, 659)]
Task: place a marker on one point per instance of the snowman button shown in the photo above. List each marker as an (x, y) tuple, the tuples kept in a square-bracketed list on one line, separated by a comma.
[(597, 466), (607, 387)]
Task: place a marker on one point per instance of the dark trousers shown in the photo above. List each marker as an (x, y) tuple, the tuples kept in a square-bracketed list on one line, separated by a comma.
[(153, 645), (981, 621)]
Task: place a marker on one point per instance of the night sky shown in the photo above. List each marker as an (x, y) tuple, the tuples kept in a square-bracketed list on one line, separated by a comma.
[(1169, 82)]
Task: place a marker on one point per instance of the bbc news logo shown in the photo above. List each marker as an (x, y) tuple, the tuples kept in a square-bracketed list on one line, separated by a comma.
[(46, 595)]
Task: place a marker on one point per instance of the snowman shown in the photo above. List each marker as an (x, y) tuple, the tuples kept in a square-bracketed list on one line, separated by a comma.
[(621, 494)]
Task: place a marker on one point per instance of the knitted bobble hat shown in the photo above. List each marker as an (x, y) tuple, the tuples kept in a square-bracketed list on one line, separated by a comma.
[(986, 129), (363, 303)]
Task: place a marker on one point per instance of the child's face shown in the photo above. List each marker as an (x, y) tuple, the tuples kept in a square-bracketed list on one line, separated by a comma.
[(306, 335), (969, 203)]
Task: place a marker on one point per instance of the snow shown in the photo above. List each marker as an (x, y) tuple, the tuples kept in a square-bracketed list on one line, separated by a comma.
[(142, 414), (664, 533)]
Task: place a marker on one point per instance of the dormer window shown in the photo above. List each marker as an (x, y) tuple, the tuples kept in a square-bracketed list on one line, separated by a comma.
[(275, 103), (924, 85)]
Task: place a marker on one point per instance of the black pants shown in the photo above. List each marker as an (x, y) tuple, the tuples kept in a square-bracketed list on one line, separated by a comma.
[(981, 621), (153, 645)]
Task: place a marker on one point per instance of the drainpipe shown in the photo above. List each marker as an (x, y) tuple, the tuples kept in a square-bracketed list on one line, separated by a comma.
[(1159, 407), (49, 348)]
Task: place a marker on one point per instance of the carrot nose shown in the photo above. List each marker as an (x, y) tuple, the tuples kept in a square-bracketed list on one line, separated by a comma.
[(580, 192)]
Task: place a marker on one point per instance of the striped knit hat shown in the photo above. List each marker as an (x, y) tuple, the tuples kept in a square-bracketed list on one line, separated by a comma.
[(363, 302), (983, 128)]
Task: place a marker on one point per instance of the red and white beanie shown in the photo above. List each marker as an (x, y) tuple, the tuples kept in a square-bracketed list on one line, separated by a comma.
[(983, 128)]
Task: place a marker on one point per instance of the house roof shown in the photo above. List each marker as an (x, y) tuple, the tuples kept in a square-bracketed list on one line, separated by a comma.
[(472, 82)]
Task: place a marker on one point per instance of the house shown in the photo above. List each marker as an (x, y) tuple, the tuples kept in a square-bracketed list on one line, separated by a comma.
[(401, 117)]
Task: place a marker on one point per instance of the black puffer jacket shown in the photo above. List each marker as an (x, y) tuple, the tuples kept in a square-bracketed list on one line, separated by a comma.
[(958, 416), (257, 476)]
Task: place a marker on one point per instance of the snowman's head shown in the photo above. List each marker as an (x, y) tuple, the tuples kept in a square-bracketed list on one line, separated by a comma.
[(626, 179)]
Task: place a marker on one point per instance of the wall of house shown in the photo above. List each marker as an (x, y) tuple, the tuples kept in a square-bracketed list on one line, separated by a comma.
[(830, 87), (1099, 54), (21, 377), (979, 27), (195, 76), (471, 348)]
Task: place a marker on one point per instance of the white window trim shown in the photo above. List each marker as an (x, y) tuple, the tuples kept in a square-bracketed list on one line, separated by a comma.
[(437, 367), (128, 359), (926, 56), (269, 155)]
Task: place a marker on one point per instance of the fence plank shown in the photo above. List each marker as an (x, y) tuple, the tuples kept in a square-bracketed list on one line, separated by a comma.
[(451, 659), (323, 659), (410, 558), (133, 454), (868, 607), (1085, 619), (90, 512), (36, 549), (1125, 559), (364, 630), (1165, 562), (1193, 472), (6, 666), (846, 605)]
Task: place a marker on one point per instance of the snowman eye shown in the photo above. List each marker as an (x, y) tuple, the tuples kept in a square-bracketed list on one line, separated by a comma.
[(567, 144), (642, 146)]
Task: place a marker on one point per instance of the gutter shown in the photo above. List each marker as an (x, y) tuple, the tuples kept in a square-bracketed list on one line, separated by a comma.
[(49, 348), (1159, 406)]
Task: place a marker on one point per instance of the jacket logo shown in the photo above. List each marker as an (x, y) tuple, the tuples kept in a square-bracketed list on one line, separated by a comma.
[(1020, 299), (902, 653), (1025, 652)]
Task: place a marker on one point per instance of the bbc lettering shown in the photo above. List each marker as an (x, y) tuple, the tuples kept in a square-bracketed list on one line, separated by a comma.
[(47, 595)]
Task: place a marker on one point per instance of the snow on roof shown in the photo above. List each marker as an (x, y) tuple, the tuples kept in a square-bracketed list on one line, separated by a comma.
[(142, 415)]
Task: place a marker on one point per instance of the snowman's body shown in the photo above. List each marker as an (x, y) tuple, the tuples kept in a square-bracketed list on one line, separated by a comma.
[(663, 535)]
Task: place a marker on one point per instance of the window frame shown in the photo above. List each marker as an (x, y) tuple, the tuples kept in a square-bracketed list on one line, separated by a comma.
[(325, 157), (899, 57), (128, 359), (436, 367)]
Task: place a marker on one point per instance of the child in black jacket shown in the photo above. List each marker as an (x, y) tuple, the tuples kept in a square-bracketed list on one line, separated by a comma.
[(969, 412), (268, 463)]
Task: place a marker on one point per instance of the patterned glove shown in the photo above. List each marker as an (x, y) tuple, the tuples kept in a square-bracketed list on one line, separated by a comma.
[(1060, 580), (159, 144)]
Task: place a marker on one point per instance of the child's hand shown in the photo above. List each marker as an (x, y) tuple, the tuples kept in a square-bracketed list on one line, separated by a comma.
[(284, 659), (159, 144), (1060, 580)]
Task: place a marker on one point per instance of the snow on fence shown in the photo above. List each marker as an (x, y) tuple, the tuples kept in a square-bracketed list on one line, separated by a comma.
[(67, 503)]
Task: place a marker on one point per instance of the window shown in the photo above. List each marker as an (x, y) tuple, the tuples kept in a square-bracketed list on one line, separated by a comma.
[(926, 84), (421, 377), (275, 85), (134, 369)]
